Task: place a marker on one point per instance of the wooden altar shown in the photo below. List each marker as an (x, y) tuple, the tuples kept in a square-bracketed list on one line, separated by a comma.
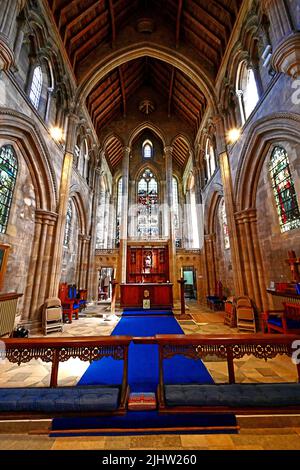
[(160, 295)]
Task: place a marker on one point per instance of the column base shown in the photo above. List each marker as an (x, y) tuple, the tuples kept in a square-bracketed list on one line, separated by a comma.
[(286, 57)]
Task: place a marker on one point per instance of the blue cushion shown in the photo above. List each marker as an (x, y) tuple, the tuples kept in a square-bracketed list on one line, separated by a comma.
[(60, 399), (75, 306), (233, 395), (290, 323)]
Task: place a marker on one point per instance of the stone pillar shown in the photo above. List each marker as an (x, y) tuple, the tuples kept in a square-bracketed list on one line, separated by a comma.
[(198, 198), (172, 242), (255, 285), (229, 205), (106, 218), (9, 10), (92, 269), (37, 289), (66, 174), (19, 37), (85, 244), (210, 263), (286, 41), (124, 217)]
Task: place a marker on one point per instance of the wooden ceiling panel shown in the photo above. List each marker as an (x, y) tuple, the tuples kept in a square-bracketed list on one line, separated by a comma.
[(180, 152)]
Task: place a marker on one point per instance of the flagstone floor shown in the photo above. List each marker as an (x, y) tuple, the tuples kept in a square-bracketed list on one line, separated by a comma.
[(256, 433)]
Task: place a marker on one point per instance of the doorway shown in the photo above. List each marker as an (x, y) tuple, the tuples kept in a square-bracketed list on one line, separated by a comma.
[(190, 287), (104, 285)]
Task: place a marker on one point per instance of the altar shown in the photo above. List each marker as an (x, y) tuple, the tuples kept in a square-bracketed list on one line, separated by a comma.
[(157, 295)]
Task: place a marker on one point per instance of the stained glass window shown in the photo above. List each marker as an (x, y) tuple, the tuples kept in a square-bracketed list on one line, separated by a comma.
[(147, 149), (284, 190), (119, 211), (8, 176), (36, 87), (225, 226), (148, 211), (68, 225)]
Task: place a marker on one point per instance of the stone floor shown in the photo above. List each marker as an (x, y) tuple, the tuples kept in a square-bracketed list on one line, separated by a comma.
[(260, 433)]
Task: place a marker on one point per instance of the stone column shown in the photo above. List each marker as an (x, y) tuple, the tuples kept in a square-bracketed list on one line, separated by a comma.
[(84, 261), (198, 198), (106, 218), (255, 285), (19, 37), (66, 174), (229, 205), (210, 262), (37, 289), (172, 243), (92, 271), (124, 217), (9, 10), (286, 41)]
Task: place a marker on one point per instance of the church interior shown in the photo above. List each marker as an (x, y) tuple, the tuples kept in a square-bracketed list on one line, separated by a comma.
[(150, 224)]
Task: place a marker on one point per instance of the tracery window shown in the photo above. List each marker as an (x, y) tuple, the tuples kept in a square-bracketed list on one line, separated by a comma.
[(148, 210), (225, 226), (36, 87), (8, 176), (68, 225), (284, 190), (119, 210), (147, 149), (210, 158), (246, 90)]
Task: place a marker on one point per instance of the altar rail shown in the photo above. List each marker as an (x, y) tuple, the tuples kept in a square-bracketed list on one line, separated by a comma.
[(56, 350), (227, 347)]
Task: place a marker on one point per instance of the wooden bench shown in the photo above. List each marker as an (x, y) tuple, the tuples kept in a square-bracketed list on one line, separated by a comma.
[(245, 398), (37, 403), (283, 321)]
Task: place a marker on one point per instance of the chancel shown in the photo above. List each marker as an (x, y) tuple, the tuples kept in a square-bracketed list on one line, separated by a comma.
[(149, 223)]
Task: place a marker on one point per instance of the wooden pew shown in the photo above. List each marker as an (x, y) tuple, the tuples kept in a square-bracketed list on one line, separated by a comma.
[(56, 350), (283, 321)]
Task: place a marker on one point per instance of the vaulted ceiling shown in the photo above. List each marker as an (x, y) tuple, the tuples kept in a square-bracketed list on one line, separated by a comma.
[(180, 95), (90, 28)]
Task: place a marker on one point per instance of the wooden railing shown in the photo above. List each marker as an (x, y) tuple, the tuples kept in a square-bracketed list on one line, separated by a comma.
[(226, 347), (56, 350)]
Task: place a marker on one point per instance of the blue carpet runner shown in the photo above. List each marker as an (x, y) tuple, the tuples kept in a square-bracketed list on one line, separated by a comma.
[(143, 376)]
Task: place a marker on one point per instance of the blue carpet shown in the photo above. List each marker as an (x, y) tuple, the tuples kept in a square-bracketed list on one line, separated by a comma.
[(143, 370), (143, 375), (145, 313)]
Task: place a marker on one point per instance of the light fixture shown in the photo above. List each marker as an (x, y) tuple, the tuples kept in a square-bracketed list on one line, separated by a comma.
[(234, 135), (56, 133)]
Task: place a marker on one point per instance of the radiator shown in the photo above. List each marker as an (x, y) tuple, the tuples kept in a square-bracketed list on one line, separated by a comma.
[(8, 309)]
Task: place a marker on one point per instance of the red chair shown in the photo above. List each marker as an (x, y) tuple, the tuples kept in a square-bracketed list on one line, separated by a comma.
[(283, 321), (70, 306)]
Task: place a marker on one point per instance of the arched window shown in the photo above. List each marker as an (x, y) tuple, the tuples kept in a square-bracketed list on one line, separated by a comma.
[(247, 91), (210, 158), (68, 225), (119, 210), (148, 212), (147, 149), (176, 210), (225, 226), (36, 87), (8, 176), (284, 190)]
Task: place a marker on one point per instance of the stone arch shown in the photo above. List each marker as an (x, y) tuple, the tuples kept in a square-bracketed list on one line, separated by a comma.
[(20, 129), (80, 208), (262, 135), (135, 51), (210, 210), (146, 125)]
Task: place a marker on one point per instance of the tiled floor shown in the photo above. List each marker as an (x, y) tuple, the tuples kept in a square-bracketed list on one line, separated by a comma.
[(256, 433)]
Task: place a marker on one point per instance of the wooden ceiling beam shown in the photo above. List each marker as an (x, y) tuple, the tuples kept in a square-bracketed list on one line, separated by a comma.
[(64, 10), (86, 29), (78, 18), (178, 21), (112, 21), (171, 91), (123, 91)]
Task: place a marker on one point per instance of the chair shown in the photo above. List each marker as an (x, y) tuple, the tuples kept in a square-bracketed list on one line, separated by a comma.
[(70, 305), (230, 312), (283, 321), (52, 316), (245, 314)]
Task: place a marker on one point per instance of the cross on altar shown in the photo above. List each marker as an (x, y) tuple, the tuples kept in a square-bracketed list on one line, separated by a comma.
[(293, 263)]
